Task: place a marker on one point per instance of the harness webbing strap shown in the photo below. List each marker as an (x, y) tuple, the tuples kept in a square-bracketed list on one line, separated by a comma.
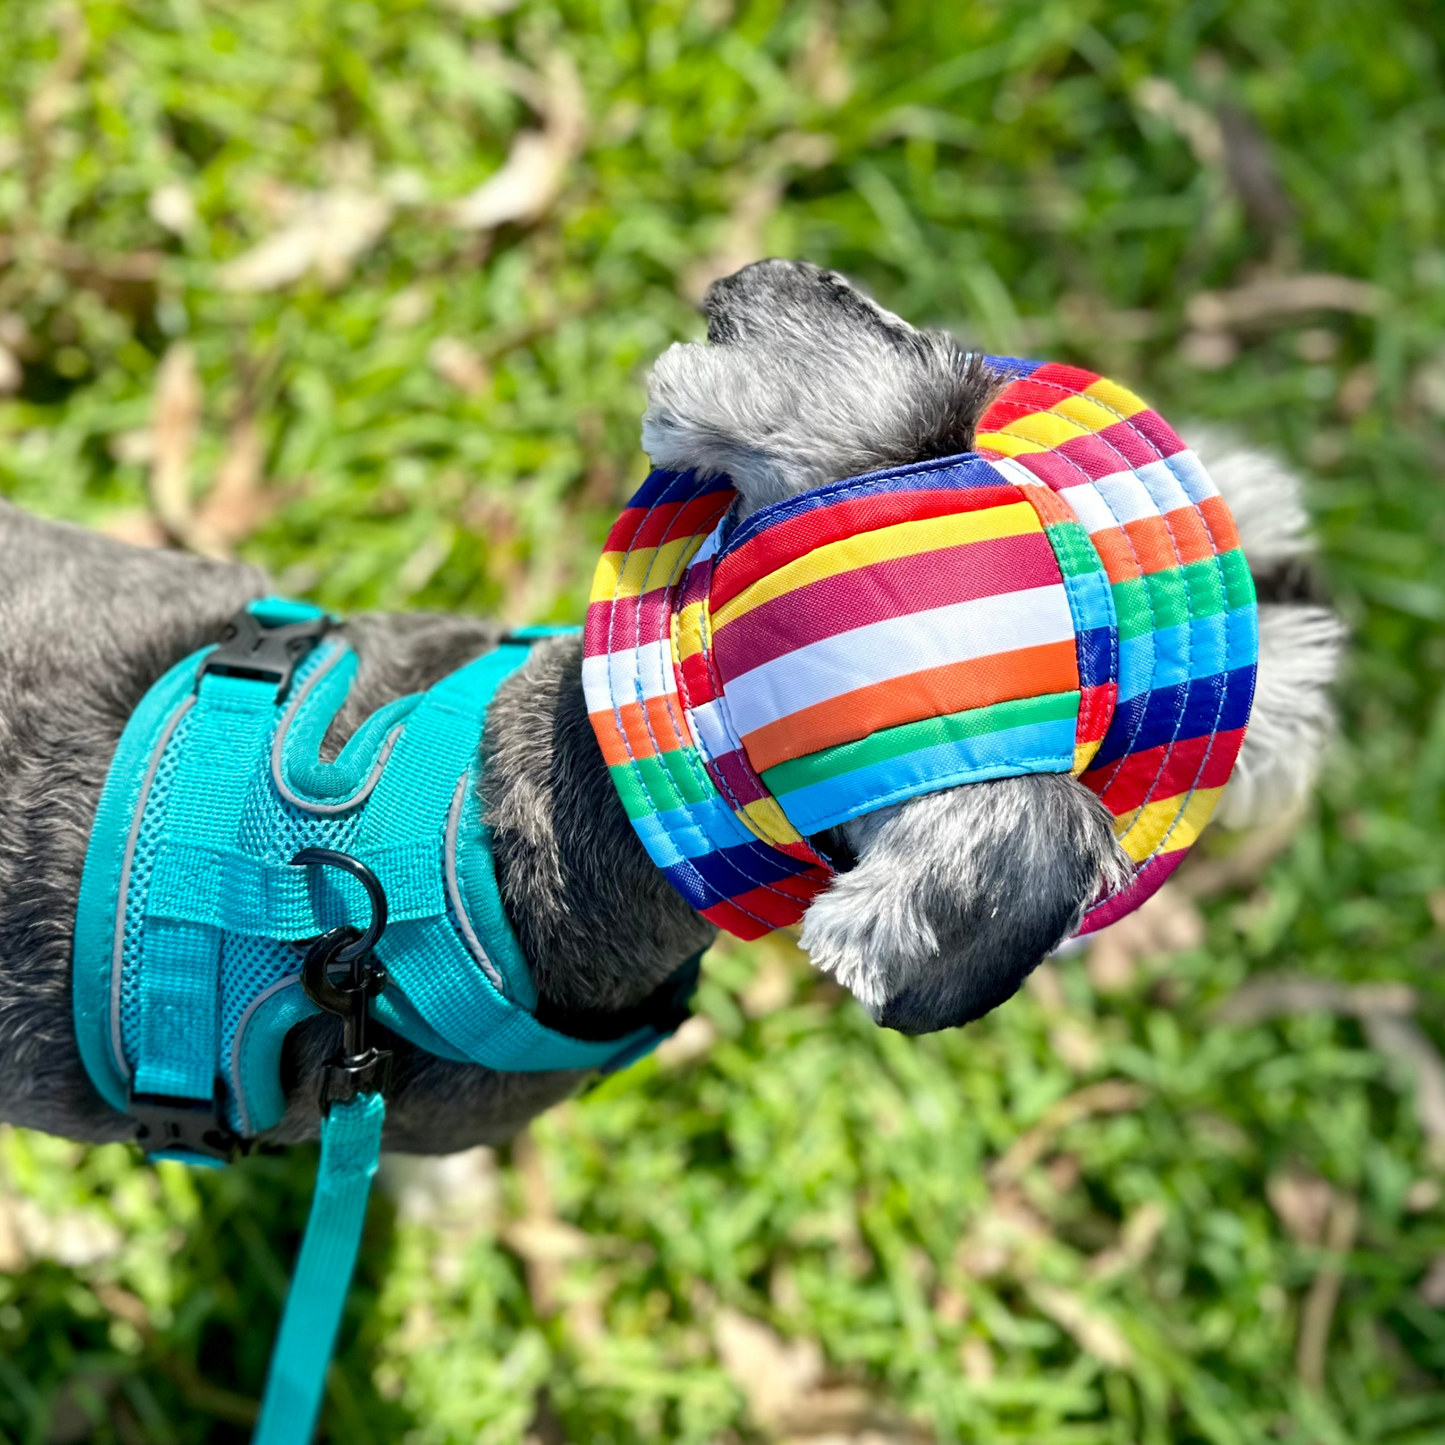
[(350, 1148), (180, 978)]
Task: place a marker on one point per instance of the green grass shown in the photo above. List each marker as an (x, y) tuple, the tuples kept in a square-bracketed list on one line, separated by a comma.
[(1046, 178)]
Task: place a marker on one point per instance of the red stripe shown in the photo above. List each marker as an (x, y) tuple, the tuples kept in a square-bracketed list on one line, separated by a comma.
[(897, 587), (1055, 471), (1160, 435), (1092, 455), (776, 545), (1166, 772), (649, 526), (1096, 711), (1072, 379), (737, 923), (695, 680), (1131, 441), (628, 622)]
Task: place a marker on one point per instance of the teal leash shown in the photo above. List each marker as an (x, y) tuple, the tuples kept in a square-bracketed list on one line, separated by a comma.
[(350, 1149), (353, 1108)]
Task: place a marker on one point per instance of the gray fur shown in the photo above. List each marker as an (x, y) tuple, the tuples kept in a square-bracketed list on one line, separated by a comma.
[(807, 381), (953, 889), (87, 624), (1301, 642), (1293, 720)]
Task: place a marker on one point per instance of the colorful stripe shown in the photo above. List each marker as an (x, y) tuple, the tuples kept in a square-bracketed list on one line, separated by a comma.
[(1185, 634), (1070, 598)]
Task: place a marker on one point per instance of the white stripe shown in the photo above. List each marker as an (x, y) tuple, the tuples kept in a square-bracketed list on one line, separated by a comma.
[(712, 729), (1126, 496), (1090, 506), (1164, 486), (614, 678), (883, 651)]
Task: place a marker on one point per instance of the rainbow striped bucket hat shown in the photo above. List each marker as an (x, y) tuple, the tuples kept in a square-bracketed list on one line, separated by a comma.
[(1070, 597)]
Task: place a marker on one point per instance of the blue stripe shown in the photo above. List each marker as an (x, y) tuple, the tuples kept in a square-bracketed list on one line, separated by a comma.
[(1153, 719), (725, 874), (1091, 600), (663, 486), (691, 831), (1096, 656), (1199, 648), (1037, 748), (1015, 366), (1191, 475), (1241, 637)]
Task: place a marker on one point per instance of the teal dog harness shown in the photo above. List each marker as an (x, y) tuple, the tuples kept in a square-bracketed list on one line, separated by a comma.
[(236, 884)]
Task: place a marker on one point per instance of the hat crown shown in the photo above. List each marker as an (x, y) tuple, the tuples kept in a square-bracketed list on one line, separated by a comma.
[(1070, 597)]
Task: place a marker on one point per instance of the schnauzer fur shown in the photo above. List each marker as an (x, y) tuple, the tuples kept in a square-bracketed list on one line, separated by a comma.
[(953, 898)]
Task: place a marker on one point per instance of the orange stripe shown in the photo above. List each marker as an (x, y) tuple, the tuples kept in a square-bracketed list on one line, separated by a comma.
[(1190, 539), (664, 725), (1152, 544), (1117, 554), (934, 692), (1220, 523)]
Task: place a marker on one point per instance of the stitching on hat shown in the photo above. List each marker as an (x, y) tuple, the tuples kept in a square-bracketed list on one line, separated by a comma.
[(680, 731), (642, 705), (719, 697), (1133, 735), (1026, 489), (1221, 691), (1180, 714)]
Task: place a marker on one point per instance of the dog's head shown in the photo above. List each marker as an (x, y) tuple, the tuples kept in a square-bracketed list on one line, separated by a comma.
[(944, 903)]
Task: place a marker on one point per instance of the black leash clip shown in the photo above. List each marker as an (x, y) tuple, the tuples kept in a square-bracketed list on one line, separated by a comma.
[(359, 1068)]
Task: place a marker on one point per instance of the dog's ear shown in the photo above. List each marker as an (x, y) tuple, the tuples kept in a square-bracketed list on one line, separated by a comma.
[(1301, 641), (806, 380), (957, 896)]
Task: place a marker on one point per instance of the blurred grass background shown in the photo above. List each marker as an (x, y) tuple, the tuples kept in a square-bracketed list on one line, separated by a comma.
[(366, 292)]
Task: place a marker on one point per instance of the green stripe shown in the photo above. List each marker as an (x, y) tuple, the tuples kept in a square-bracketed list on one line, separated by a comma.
[(652, 785), (909, 737), (1074, 550), (1238, 584), (1168, 598)]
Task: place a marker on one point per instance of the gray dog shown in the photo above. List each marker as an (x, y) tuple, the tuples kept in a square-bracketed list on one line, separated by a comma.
[(953, 897)]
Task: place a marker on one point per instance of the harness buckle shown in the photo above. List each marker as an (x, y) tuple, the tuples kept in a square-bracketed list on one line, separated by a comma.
[(184, 1126), (252, 649)]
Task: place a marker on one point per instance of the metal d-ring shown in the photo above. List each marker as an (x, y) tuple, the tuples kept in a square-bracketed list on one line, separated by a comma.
[(331, 858)]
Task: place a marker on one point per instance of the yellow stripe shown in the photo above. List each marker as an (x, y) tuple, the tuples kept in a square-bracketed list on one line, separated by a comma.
[(1006, 444), (630, 574), (1046, 427), (905, 539), (1117, 398), (687, 638), (1090, 414), (1084, 755), (769, 822), (1141, 832)]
